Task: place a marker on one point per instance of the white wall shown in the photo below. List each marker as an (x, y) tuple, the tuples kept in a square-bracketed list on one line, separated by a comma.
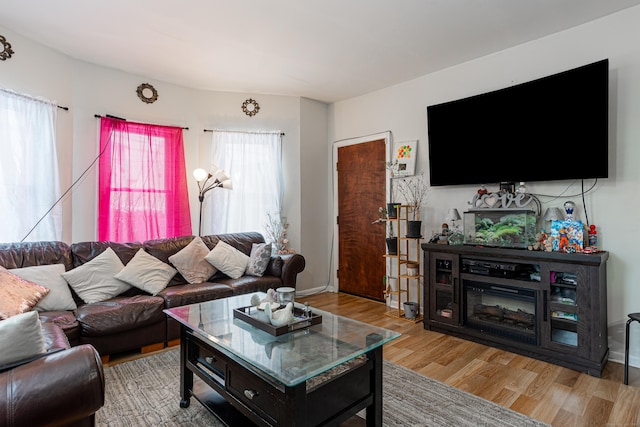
[(614, 204), (88, 90), (314, 193)]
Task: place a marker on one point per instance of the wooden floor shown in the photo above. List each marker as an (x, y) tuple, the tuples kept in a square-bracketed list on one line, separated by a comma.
[(547, 392)]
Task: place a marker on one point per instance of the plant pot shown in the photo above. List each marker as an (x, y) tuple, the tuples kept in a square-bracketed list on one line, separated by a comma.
[(392, 245), (392, 210), (414, 229), (413, 269), (411, 310)]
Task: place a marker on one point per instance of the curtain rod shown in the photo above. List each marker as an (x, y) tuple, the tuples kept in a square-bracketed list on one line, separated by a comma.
[(33, 98), (98, 116), (243, 131)]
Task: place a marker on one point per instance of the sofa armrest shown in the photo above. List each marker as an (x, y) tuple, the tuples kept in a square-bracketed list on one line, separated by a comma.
[(60, 388), (293, 264)]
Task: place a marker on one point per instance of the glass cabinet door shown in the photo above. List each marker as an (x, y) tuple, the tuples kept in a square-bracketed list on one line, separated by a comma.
[(564, 289), (444, 288)]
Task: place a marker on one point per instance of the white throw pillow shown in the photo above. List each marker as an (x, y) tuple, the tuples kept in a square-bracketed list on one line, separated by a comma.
[(21, 337), (50, 276), (259, 259), (147, 272), (190, 261), (94, 281), (228, 259)]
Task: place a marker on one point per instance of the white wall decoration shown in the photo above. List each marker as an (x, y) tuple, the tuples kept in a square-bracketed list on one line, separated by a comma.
[(404, 153)]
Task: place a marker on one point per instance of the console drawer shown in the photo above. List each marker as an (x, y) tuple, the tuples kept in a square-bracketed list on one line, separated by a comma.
[(257, 394), (213, 361)]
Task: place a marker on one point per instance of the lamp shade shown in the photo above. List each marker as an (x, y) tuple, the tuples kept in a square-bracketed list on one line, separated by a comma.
[(200, 174), (220, 175), (553, 214), (453, 214), (226, 184)]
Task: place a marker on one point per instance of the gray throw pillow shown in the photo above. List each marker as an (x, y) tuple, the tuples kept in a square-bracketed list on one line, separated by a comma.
[(21, 337), (50, 276), (190, 261), (94, 281), (147, 272), (259, 259), (228, 259)]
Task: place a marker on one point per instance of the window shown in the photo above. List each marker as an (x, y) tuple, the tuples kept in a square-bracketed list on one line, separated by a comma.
[(142, 182), (29, 181), (253, 161)]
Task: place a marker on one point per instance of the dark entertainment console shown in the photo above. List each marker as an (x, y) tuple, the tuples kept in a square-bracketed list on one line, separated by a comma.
[(546, 305)]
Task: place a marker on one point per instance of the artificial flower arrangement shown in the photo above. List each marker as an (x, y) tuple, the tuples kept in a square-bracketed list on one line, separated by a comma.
[(276, 229)]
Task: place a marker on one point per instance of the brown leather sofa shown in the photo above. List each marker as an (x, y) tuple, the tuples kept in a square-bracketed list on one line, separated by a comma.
[(73, 375), (134, 320)]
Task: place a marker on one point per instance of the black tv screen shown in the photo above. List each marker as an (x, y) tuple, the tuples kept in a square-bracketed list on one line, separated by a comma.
[(553, 128)]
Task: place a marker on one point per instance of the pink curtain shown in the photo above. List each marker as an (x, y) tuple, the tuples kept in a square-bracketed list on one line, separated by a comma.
[(142, 182)]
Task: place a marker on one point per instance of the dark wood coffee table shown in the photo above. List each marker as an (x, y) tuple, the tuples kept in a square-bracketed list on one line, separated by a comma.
[(320, 375)]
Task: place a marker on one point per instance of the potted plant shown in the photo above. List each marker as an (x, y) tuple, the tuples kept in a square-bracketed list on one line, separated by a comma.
[(392, 207), (414, 191), (392, 240)]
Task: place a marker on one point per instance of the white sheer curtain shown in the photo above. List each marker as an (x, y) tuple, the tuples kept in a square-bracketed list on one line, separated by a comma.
[(253, 161), (29, 181)]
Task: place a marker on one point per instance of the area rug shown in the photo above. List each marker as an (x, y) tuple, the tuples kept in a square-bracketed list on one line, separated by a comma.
[(145, 392)]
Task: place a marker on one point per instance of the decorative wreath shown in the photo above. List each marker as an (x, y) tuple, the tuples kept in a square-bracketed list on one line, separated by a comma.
[(147, 87), (6, 49), (250, 107)]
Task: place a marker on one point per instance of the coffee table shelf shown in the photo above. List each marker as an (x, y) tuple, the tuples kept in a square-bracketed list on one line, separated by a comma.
[(322, 374)]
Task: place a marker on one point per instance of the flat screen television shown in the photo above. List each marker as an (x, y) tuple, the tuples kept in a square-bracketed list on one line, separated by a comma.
[(552, 128)]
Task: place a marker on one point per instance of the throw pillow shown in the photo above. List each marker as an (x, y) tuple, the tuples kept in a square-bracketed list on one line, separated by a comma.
[(190, 261), (94, 281), (259, 259), (147, 272), (18, 295), (49, 276), (21, 337), (228, 259)]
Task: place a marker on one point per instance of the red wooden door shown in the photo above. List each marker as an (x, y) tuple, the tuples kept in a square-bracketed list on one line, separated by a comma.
[(361, 246)]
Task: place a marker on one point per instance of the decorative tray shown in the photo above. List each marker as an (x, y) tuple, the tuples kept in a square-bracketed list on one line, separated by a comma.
[(258, 318)]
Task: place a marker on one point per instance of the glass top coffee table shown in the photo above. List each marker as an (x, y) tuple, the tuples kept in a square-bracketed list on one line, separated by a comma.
[(316, 375)]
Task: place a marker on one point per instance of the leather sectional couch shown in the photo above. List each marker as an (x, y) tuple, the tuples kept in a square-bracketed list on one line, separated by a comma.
[(73, 376), (134, 320)]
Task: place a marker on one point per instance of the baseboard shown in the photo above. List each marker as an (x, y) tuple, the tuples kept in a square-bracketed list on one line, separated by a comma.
[(313, 291)]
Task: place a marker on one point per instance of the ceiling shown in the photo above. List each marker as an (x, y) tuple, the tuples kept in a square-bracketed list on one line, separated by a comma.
[(328, 50)]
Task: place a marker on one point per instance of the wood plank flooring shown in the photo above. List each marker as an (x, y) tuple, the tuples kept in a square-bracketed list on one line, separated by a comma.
[(547, 392)]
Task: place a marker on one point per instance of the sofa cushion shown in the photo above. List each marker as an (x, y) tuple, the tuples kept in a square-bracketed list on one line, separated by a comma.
[(175, 296), (65, 320), (250, 284), (21, 337), (275, 266), (54, 337), (190, 262), (259, 259), (146, 272), (95, 281), (228, 259), (83, 252), (18, 295), (28, 254), (49, 276), (120, 314)]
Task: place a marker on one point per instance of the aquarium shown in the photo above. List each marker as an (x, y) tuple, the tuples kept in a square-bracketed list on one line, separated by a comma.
[(505, 228)]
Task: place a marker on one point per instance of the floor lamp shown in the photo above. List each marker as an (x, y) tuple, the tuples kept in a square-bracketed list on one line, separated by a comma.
[(208, 181)]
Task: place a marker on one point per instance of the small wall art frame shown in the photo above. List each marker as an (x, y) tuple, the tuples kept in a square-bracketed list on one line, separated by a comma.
[(6, 51), (147, 93), (250, 107), (404, 153)]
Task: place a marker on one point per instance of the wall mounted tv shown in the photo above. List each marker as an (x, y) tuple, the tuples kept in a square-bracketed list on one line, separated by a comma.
[(553, 128)]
